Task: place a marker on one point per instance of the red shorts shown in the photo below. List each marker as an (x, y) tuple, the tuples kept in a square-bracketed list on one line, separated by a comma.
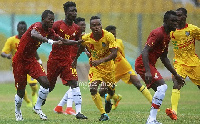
[(22, 68), (62, 68), (139, 68)]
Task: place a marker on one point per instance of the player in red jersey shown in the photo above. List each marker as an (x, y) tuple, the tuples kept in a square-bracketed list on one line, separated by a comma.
[(155, 47), (60, 59), (68, 97), (24, 61)]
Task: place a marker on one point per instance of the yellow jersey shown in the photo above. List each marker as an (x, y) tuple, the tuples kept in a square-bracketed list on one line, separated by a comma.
[(183, 41), (100, 49), (11, 45)]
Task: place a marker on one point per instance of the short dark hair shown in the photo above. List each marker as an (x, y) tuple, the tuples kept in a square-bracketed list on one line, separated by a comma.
[(78, 19), (22, 23), (110, 27), (183, 10), (45, 13), (94, 17), (68, 4), (167, 15)]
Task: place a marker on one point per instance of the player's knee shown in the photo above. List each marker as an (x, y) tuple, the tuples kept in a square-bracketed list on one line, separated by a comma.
[(102, 92)]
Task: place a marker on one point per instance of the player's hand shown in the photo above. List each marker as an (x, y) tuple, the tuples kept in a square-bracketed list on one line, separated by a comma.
[(95, 62), (180, 80), (148, 77), (9, 56), (80, 41)]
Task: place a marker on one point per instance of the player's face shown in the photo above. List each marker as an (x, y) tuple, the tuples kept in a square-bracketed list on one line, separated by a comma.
[(21, 29), (49, 20), (172, 22), (95, 26), (82, 26), (113, 32), (181, 17), (71, 13)]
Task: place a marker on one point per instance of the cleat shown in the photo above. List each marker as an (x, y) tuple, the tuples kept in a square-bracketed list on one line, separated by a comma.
[(80, 116), (116, 102), (104, 117), (108, 106), (40, 113), (153, 122), (70, 111), (58, 109), (171, 113), (34, 99), (18, 116), (29, 104)]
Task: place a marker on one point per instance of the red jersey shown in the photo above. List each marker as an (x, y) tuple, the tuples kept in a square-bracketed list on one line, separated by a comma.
[(73, 32), (28, 46), (158, 40)]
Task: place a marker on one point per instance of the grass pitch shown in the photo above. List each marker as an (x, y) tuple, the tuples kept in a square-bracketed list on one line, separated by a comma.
[(132, 109)]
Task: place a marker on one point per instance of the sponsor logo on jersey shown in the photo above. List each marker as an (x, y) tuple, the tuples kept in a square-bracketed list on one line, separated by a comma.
[(187, 33), (103, 44)]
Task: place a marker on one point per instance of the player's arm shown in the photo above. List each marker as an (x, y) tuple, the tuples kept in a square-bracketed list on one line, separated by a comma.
[(167, 64), (6, 50), (36, 35), (113, 55), (145, 59), (80, 50)]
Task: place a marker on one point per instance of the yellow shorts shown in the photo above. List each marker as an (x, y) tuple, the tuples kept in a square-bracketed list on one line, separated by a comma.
[(106, 77), (125, 77), (193, 72), (30, 80)]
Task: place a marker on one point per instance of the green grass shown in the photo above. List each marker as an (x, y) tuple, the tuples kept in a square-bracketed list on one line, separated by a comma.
[(133, 108)]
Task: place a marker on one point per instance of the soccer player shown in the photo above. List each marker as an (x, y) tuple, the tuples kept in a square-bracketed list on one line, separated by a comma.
[(124, 71), (69, 97), (60, 60), (24, 61), (8, 52), (157, 47), (185, 61), (102, 47)]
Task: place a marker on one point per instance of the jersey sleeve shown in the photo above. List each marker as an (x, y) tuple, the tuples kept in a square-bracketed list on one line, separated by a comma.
[(7, 47), (195, 32)]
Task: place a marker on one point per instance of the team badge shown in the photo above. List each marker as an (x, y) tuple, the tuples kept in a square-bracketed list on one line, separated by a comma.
[(187, 33), (103, 44), (156, 76)]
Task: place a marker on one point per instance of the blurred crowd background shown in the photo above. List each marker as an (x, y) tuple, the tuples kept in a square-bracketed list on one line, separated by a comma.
[(134, 20)]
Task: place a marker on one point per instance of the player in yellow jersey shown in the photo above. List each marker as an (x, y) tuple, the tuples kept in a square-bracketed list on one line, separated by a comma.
[(9, 50), (102, 47), (186, 62), (124, 71)]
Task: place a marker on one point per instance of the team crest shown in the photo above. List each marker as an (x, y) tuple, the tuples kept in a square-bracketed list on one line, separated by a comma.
[(103, 44), (187, 33)]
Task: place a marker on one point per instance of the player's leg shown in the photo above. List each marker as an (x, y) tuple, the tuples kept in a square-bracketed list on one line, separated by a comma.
[(76, 93), (20, 84), (69, 109), (160, 88), (38, 73), (97, 99), (135, 81), (34, 87)]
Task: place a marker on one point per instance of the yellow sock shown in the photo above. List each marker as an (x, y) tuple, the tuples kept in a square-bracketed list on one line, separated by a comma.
[(26, 97), (175, 99), (115, 97), (146, 93), (34, 89), (97, 100), (108, 97)]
